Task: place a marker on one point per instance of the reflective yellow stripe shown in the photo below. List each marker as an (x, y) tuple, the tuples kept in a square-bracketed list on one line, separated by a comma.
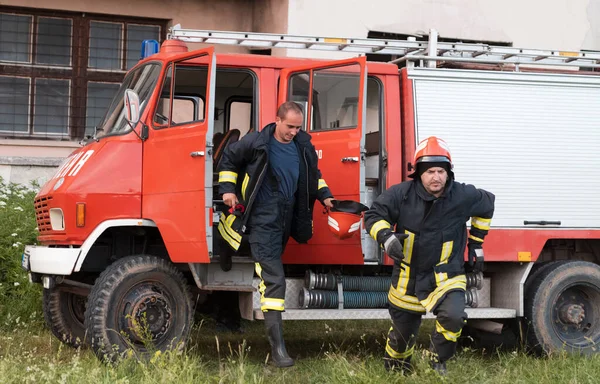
[(404, 276), (267, 303), (398, 355), (400, 302), (322, 184), (227, 177), (481, 223), (446, 252), (457, 282), (228, 224), (448, 335), (378, 226), (245, 185), (270, 304), (408, 246), (403, 279), (261, 286), (406, 298), (478, 239), (231, 241)]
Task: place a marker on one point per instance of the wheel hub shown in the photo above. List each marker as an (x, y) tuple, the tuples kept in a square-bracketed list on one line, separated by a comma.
[(149, 315), (572, 313)]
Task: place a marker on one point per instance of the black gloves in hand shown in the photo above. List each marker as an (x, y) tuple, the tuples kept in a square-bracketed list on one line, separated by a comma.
[(475, 257), (393, 246)]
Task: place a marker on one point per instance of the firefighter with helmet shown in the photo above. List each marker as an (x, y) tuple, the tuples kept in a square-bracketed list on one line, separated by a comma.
[(421, 224)]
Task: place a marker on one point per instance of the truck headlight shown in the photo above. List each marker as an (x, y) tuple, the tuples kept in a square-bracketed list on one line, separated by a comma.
[(57, 219)]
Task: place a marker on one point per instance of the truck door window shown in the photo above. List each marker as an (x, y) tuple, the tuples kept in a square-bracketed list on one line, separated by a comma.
[(187, 104), (235, 96), (239, 114), (334, 96), (373, 129)]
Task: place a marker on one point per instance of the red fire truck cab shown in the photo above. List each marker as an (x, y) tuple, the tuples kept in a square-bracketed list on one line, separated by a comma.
[(127, 225)]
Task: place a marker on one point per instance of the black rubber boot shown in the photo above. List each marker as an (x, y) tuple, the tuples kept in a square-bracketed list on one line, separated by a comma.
[(274, 328), (397, 365), (436, 365), (440, 368)]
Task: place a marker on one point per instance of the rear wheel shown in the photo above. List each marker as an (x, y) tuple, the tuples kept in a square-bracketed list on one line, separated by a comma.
[(138, 303), (64, 315), (562, 308)]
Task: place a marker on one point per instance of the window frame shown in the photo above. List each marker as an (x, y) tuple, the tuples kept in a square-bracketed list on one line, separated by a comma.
[(172, 67), (238, 99), (254, 105), (79, 74), (311, 73)]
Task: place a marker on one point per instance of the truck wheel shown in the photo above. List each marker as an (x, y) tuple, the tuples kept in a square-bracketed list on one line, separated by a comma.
[(539, 268), (562, 308), (140, 303), (64, 314)]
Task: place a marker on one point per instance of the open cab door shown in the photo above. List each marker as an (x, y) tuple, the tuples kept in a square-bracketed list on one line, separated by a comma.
[(177, 159), (333, 98)]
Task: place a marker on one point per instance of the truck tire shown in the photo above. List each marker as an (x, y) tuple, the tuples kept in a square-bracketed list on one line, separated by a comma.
[(562, 308), (538, 269), (64, 314), (138, 303)]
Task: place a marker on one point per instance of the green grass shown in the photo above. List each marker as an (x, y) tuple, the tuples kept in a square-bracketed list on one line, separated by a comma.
[(325, 352)]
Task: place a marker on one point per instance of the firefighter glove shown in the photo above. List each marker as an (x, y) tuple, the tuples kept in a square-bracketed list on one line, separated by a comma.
[(393, 246), (475, 257)]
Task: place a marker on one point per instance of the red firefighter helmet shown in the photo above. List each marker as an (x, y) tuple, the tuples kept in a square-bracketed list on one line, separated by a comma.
[(344, 218), (432, 150)]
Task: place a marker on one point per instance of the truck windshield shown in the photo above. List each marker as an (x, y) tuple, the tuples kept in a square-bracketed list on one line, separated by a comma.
[(142, 80)]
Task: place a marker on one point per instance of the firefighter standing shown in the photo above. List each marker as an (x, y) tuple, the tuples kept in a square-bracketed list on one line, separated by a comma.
[(429, 214), (279, 186)]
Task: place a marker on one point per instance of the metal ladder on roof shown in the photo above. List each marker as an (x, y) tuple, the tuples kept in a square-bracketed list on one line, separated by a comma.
[(408, 50)]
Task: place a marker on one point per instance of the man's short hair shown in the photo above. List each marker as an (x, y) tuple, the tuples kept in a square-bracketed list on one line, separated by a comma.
[(286, 107)]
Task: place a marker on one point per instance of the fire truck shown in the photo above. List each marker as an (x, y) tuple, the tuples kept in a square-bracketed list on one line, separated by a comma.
[(129, 245)]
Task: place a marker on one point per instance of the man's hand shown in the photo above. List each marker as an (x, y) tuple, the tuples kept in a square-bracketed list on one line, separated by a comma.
[(475, 257), (393, 246), (328, 202), (230, 199)]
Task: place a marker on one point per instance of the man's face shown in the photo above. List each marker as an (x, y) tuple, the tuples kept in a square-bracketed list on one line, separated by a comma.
[(286, 129), (434, 180)]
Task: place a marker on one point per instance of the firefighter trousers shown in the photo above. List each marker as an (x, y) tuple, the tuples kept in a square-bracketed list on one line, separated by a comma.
[(450, 319), (269, 226)]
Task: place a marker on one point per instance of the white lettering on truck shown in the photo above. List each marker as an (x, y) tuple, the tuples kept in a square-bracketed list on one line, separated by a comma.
[(73, 164)]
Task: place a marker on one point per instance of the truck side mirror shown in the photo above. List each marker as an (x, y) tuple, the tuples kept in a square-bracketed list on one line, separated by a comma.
[(132, 107)]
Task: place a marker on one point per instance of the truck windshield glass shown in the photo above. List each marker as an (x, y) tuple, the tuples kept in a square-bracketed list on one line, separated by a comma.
[(142, 80)]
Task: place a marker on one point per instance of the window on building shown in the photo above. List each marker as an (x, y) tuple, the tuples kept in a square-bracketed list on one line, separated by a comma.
[(60, 70)]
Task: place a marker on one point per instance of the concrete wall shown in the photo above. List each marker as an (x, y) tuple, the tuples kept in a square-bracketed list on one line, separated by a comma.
[(22, 161), (271, 16), (548, 24)]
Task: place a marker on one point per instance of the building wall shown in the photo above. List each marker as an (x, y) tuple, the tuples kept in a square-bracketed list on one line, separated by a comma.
[(271, 16), (199, 14), (555, 24), (22, 160)]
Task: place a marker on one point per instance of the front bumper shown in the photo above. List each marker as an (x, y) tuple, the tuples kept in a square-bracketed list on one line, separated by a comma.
[(49, 261)]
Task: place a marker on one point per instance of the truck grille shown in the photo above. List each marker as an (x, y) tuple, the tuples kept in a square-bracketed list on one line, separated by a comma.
[(42, 214)]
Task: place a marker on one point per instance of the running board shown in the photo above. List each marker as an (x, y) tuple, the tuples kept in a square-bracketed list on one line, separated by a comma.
[(380, 314)]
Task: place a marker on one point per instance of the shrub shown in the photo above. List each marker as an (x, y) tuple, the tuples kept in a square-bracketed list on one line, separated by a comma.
[(20, 301)]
